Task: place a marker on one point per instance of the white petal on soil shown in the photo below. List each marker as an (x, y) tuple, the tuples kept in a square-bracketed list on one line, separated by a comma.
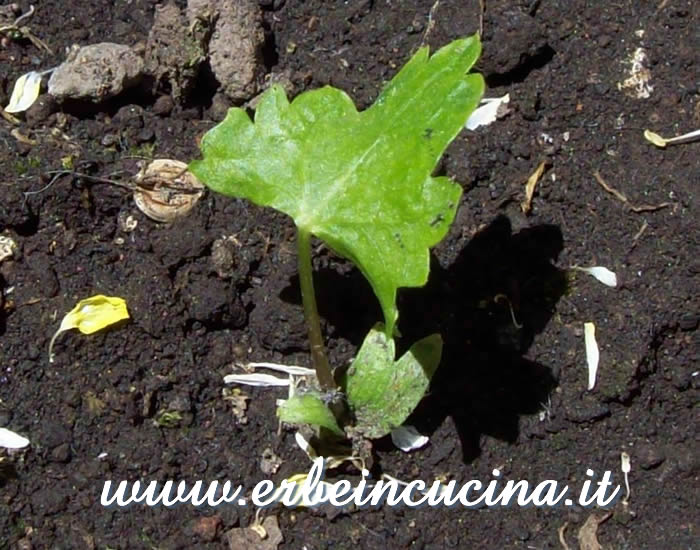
[(296, 371), (256, 379), (407, 438), (11, 440), (25, 92), (625, 464), (487, 112), (592, 353), (659, 141), (603, 274)]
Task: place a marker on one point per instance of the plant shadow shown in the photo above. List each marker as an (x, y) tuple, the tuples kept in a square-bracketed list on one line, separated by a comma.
[(488, 306)]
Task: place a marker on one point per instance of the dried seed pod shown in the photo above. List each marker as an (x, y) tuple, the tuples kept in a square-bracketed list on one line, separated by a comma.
[(166, 190)]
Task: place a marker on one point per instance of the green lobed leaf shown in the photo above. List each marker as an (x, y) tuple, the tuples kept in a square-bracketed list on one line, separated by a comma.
[(360, 181), (383, 392), (308, 409)]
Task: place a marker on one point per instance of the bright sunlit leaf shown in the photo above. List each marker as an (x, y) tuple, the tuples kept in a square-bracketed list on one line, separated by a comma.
[(90, 315), (360, 181), (308, 409), (383, 392)]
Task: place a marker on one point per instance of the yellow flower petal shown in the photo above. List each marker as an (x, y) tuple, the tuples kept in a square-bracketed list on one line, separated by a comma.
[(90, 315), (655, 138)]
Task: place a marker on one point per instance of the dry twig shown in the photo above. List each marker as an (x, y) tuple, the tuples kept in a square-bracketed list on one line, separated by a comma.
[(622, 198), (14, 31), (8, 117), (431, 21), (562, 538)]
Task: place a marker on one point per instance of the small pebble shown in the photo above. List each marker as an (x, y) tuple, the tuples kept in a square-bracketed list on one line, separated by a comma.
[(649, 456), (689, 321), (163, 105), (109, 140)]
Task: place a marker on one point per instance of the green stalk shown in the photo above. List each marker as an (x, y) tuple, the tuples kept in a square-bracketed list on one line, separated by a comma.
[(308, 298)]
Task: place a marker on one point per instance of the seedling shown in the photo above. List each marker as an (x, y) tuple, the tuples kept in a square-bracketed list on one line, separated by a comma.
[(361, 182)]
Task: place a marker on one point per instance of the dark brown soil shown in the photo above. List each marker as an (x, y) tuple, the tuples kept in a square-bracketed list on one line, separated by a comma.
[(504, 397)]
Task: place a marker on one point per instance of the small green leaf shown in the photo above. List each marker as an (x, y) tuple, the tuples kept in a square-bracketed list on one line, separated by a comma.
[(360, 181), (308, 409), (382, 392)]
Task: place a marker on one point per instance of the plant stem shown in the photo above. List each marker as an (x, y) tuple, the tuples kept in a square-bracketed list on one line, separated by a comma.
[(308, 298)]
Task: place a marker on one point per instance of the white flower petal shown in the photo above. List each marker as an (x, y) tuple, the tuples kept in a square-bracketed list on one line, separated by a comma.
[(487, 112), (592, 353), (603, 274), (256, 379), (625, 464), (25, 92), (407, 438), (291, 369), (11, 440)]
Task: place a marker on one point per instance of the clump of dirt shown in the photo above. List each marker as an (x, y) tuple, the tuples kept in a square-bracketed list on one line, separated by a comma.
[(96, 72), (176, 49), (235, 48)]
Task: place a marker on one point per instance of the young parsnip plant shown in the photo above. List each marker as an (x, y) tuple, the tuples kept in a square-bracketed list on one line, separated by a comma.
[(361, 182)]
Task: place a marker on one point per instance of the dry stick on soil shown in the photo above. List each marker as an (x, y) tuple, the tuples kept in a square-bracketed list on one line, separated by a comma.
[(8, 117), (622, 198), (431, 22), (60, 173), (662, 5), (482, 10), (24, 32), (588, 533), (530, 186), (639, 234), (19, 136)]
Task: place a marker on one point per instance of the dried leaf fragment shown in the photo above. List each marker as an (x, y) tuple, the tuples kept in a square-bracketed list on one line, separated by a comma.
[(248, 537), (166, 190), (90, 315), (592, 353), (8, 247), (526, 205), (588, 533)]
